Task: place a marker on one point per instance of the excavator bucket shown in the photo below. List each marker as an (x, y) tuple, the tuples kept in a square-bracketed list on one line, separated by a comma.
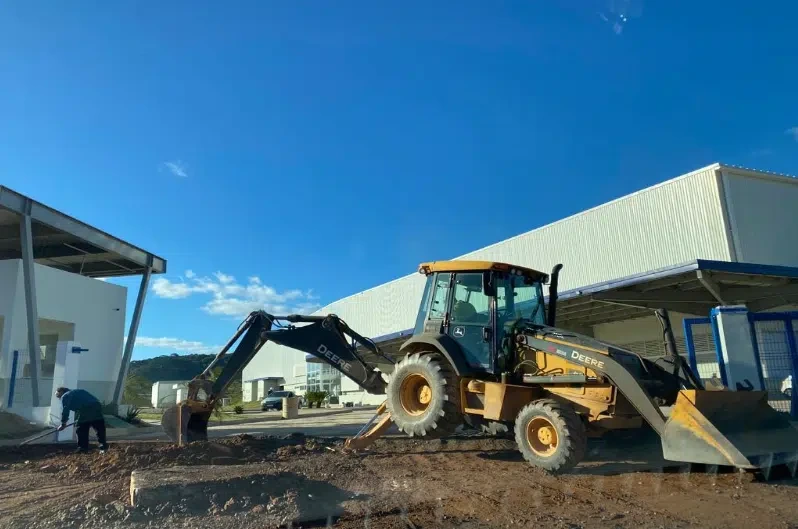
[(183, 425), (736, 428)]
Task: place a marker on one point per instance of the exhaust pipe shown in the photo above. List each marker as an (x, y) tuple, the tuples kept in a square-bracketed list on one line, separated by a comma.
[(554, 278), (670, 341)]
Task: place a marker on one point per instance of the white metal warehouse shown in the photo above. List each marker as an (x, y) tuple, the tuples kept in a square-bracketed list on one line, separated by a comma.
[(681, 232)]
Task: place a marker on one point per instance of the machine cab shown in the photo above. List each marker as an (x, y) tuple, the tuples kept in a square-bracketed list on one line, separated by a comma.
[(475, 303)]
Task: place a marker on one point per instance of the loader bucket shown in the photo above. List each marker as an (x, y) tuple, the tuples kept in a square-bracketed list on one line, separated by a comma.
[(184, 426), (736, 428)]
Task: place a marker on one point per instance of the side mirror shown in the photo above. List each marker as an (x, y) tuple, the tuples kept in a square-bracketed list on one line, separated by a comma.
[(488, 286)]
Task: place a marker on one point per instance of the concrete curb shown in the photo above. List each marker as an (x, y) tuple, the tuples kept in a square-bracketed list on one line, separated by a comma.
[(325, 413)]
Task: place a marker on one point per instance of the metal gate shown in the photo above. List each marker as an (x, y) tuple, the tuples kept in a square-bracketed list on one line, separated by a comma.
[(700, 336), (775, 336)]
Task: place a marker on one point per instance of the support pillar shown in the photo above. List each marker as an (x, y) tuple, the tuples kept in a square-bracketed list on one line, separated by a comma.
[(131, 335), (739, 358), (29, 281)]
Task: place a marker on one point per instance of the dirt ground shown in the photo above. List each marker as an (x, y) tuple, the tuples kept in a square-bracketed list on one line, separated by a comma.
[(469, 482)]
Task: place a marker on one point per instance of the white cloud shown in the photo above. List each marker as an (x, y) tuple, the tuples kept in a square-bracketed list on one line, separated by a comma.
[(176, 167), (177, 345), (230, 298), (792, 131), (164, 288)]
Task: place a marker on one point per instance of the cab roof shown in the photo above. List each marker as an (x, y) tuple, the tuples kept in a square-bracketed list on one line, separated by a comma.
[(478, 266)]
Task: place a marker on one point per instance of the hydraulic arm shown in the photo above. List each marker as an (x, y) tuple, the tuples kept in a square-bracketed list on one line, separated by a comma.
[(326, 337)]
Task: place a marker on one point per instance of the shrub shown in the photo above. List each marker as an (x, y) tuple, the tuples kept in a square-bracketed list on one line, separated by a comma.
[(238, 410), (132, 415), (316, 397)]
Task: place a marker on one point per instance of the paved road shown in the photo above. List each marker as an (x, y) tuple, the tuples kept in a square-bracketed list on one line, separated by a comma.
[(337, 425), (340, 425)]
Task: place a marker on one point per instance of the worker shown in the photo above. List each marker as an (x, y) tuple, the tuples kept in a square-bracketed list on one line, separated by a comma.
[(88, 414)]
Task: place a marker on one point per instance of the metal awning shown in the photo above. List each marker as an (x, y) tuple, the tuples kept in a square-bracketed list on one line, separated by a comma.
[(691, 288), (263, 378), (38, 234), (60, 241)]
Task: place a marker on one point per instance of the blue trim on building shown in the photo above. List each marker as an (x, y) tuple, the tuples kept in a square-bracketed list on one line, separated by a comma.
[(747, 268), (13, 382), (772, 316), (794, 357), (729, 310)]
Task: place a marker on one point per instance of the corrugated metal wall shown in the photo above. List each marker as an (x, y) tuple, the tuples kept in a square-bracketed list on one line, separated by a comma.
[(674, 222), (677, 221), (763, 214)]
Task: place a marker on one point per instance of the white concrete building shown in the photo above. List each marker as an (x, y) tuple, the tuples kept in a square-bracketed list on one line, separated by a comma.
[(167, 393), (50, 293), (71, 308), (678, 234)]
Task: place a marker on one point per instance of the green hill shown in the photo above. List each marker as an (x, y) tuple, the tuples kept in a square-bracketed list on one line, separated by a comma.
[(171, 367), (142, 374)]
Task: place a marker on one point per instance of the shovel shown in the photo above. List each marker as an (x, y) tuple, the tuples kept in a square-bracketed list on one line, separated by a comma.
[(40, 435)]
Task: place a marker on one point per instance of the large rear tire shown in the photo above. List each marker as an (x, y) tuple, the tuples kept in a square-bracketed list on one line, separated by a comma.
[(550, 435), (423, 396)]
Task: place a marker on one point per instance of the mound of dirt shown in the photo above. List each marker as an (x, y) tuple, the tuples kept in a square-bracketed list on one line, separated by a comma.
[(121, 459), (13, 426)]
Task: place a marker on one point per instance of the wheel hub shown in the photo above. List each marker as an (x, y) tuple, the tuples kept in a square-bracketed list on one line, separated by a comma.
[(542, 437), (415, 394)]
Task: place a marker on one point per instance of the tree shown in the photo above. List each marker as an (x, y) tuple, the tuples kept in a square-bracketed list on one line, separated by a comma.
[(137, 391), (234, 391)]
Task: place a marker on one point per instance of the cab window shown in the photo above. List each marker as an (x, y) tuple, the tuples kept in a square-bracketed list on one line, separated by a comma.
[(470, 304), (437, 308)]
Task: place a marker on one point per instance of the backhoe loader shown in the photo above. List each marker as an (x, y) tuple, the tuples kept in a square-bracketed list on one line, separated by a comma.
[(485, 352)]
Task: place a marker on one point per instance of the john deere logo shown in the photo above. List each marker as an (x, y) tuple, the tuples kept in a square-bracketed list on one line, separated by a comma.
[(459, 332)]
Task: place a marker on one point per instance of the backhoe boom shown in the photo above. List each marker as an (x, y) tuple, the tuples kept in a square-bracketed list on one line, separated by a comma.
[(328, 338)]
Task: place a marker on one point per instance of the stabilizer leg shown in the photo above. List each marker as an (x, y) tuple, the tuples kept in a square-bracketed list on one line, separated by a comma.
[(371, 431)]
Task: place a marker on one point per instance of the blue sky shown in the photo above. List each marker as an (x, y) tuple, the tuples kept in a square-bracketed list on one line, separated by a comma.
[(288, 154)]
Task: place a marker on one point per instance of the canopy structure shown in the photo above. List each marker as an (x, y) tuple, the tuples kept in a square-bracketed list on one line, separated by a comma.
[(691, 288), (36, 233), (60, 241)]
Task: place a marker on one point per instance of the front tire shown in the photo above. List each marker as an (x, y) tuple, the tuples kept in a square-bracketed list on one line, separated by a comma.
[(423, 396), (550, 435)]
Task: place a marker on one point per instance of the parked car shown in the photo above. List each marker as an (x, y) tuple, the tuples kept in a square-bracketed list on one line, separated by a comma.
[(275, 400), (786, 386)]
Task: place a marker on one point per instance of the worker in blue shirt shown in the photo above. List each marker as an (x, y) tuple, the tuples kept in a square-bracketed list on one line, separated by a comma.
[(88, 414)]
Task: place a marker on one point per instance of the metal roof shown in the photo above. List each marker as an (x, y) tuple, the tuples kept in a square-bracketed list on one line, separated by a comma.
[(691, 288), (263, 378), (63, 242)]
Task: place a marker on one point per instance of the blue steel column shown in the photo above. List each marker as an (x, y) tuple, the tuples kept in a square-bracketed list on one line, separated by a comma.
[(29, 280), (794, 359), (131, 335)]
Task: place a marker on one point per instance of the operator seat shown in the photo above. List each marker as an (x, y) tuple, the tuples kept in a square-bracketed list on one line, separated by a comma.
[(464, 311)]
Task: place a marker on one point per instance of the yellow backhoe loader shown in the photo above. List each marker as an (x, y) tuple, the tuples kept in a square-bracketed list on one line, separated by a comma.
[(485, 352)]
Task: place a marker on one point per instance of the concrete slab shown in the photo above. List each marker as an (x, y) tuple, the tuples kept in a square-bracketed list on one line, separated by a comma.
[(281, 497)]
